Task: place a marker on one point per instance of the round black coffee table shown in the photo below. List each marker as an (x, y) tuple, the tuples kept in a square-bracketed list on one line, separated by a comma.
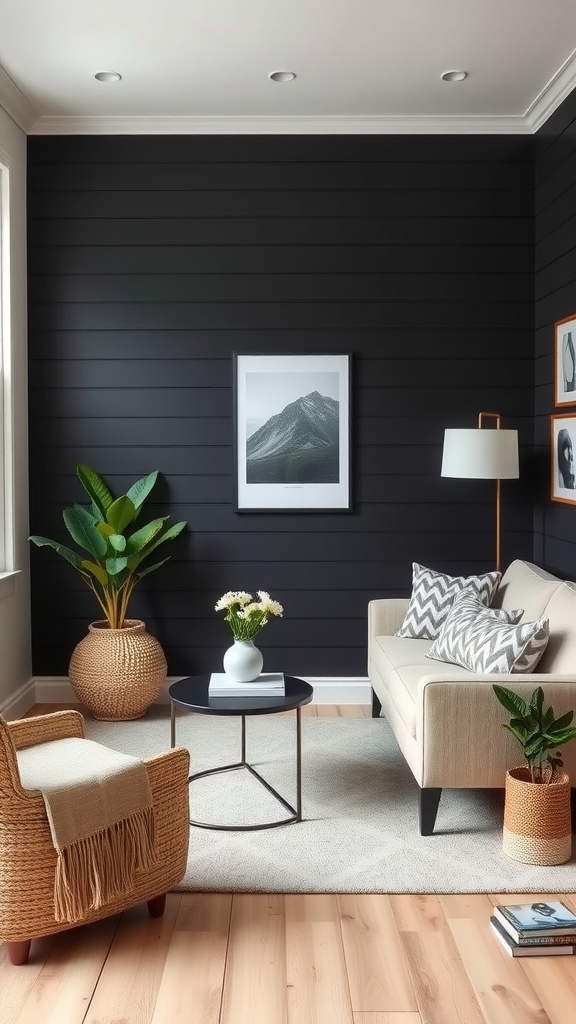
[(192, 694)]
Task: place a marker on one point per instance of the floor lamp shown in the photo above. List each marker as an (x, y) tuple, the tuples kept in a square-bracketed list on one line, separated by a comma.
[(483, 453)]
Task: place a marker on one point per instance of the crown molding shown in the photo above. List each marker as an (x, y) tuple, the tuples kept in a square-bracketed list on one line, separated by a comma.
[(452, 125), (553, 94), (16, 104), (562, 83)]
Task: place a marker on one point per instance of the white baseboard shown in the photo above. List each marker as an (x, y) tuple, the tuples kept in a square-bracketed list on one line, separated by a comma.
[(18, 703), (57, 690)]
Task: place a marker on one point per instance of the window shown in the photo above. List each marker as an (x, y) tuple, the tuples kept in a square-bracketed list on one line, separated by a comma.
[(6, 545)]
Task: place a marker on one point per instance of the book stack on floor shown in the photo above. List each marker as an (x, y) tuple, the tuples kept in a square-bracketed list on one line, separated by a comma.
[(268, 684), (535, 929)]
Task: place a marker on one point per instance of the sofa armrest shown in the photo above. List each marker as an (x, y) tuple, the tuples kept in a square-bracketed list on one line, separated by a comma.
[(459, 726), (386, 615)]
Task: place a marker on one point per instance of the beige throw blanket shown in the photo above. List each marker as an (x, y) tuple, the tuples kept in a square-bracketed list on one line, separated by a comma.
[(99, 807)]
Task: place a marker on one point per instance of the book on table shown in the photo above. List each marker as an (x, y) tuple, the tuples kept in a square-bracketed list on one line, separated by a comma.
[(534, 949), (268, 684), (534, 922)]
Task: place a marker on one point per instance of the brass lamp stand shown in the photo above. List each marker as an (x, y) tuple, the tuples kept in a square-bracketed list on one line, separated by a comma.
[(482, 454)]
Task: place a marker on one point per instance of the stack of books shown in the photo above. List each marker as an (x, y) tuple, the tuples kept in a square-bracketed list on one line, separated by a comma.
[(535, 929), (268, 684)]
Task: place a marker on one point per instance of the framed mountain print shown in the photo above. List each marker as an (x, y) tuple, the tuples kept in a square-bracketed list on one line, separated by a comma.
[(292, 433), (563, 446), (565, 361)]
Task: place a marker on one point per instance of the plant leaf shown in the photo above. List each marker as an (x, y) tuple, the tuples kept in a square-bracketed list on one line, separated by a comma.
[(564, 720), (141, 489), (117, 541), (96, 570), (114, 566), (95, 487), (82, 528), (151, 568), (71, 556), (121, 513), (510, 700), (140, 539)]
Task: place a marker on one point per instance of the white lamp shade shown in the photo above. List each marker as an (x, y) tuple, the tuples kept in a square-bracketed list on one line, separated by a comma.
[(480, 454)]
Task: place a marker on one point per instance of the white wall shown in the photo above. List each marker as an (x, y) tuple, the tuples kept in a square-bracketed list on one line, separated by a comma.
[(15, 639)]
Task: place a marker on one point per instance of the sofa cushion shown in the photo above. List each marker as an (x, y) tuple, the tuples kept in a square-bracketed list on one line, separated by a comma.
[(528, 586), (560, 654), (482, 641), (432, 596), (401, 665)]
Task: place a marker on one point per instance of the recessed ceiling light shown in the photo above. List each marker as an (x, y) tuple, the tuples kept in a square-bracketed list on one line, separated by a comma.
[(282, 76), (108, 76), (454, 76)]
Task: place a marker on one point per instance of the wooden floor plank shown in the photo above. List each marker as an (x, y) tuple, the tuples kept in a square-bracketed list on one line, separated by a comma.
[(418, 912), (384, 1017), (351, 711), (443, 992), (327, 711), (316, 970), (378, 976), (501, 986), (66, 982), (191, 988), (16, 983), (255, 981), (554, 981), (131, 976)]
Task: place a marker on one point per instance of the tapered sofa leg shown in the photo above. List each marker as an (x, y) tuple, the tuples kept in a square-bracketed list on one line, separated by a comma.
[(429, 800), (376, 706), (18, 952), (157, 905)]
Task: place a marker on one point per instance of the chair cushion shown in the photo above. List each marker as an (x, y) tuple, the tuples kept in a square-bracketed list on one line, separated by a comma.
[(433, 594), (486, 641)]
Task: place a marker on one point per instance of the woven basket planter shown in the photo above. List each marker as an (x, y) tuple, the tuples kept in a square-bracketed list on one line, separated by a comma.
[(117, 673), (537, 822)]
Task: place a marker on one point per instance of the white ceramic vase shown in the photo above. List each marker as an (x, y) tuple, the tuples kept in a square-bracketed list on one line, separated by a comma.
[(243, 661)]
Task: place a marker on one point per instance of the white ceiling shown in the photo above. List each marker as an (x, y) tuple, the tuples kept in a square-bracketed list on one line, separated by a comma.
[(361, 65)]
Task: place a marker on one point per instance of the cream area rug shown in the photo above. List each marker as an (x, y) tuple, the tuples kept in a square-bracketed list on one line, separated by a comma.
[(360, 807)]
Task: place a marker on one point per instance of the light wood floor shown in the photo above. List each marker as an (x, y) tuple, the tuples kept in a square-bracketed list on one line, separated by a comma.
[(293, 959)]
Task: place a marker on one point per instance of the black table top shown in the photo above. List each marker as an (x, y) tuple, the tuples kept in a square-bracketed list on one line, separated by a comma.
[(192, 693)]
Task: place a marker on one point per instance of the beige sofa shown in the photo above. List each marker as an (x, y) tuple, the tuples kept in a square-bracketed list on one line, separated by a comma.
[(447, 720)]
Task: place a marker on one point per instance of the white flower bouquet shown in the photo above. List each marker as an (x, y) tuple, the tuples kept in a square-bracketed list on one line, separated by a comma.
[(245, 616)]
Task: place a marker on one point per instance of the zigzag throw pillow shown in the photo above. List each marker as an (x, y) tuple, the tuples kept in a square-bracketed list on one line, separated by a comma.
[(478, 639), (433, 594)]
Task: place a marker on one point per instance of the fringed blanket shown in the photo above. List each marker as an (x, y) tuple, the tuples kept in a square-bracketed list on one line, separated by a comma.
[(99, 807)]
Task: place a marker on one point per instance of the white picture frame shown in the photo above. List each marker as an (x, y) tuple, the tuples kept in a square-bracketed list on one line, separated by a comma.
[(292, 433)]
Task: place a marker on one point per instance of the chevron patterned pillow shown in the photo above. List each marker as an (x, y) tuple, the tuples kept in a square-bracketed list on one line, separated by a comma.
[(432, 596), (478, 639)]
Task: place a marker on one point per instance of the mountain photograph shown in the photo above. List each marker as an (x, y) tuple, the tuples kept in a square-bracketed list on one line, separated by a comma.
[(299, 445)]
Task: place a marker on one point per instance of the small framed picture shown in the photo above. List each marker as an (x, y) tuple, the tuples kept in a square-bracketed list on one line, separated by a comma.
[(565, 361), (292, 433), (563, 446)]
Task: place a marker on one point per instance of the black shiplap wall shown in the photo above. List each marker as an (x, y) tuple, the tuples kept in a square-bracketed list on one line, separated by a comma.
[(555, 258), (153, 259)]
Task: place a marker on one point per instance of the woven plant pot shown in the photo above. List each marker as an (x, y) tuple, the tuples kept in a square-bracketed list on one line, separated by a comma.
[(537, 823), (117, 673)]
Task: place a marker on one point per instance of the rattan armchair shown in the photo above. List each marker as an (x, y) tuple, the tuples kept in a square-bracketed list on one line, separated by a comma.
[(27, 854)]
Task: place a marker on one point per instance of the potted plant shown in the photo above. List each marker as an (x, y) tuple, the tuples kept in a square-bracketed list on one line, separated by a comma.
[(537, 823), (119, 669)]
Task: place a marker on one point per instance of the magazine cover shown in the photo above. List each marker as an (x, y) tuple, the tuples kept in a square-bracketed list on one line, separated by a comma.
[(552, 916)]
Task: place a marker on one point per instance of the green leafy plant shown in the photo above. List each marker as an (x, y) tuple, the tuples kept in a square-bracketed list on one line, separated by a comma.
[(537, 730), (112, 550)]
